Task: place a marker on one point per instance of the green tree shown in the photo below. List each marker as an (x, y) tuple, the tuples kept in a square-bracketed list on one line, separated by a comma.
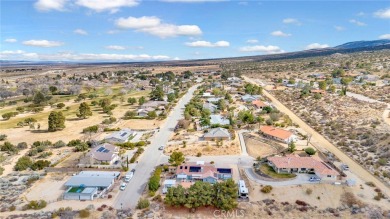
[(225, 195), (322, 85), (141, 100), (171, 97), (60, 105), (53, 89), (56, 121), (205, 121), (84, 110), (39, 98), (200, 194), (23, 163), (176, 158), (291, 147), (152, 114), (310, 151), (131, 100), (221, 104), (157, 94), (40, 164), (176, 196)]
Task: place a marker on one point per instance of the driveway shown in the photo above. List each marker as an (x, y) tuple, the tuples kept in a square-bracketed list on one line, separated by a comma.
[(152, 156), (299, 180), (320, 140), (242, 143)]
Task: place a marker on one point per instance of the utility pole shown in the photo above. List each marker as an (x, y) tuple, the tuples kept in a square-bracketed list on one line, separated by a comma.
[(308, 139)]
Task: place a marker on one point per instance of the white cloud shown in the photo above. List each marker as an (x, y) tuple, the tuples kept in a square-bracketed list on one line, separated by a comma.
[(66, 56), (361, 14), (208, 44), (358, 23), (112, 32), (107, 5), (291, 21), (252, 41), (316, 46), (10, 40), (385, 36), (192, 1), (339, 28), (279, 33), (48, 5), (264, 49), (42, 43), (154, 26), (80, 32), (114, 47), (383, 13), (138, 23)]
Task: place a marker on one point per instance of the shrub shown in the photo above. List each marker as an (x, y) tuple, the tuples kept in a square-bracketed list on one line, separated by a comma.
[(371, 184), (23, 163), (158, 198), (310, 151), (60, 105), (143, 203), (22, 145), (199, 154), (3, 137), (93, 128), (302, 203), (12, 208), (266, 189), (36, 205), (109, 196), (59, 144), (309, 191), (84, 213)]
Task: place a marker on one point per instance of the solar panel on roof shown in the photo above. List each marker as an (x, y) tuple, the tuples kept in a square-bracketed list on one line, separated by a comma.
[(224, 170), (195, 169), (100, 149), (123, 134), (105, 151)]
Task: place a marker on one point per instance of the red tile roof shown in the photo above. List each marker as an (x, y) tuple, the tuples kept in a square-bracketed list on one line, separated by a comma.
[(275, 132), (293, 161)]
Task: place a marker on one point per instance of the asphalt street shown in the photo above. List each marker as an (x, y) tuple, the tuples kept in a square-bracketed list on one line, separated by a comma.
[(151, 156)]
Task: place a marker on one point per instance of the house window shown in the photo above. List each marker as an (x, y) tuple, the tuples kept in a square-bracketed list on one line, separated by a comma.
[(303, 169), (329, 176)]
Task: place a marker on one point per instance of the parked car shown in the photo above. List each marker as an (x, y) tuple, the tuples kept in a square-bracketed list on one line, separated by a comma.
[(344, 167), (161, 147), (133, 170), (314, 179), (123, 186), (129, 176)]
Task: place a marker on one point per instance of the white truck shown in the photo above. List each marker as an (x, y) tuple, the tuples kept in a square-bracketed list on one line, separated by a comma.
[(129, 176), (242, 190)]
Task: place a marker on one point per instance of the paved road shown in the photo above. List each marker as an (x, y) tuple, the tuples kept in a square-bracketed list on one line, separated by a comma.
[(152, 156), (242, 142), (318, 138)]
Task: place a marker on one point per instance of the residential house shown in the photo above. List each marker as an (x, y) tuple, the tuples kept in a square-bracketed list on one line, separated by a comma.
[(154, 104), (144, 112), (217, 134), (88, 185), (216, 84), (249, 98), (297, 164), (258, 104), (213, 99), (278, 134), (211, 107), (207, 95), (104, 153), (120, 136), (201, 171), (218, 120)]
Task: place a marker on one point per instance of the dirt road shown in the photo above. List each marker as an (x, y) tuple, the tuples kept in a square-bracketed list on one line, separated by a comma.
[(320, 140)]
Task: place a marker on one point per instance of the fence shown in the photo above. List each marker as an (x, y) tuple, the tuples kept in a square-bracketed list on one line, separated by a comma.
[(74, 169)]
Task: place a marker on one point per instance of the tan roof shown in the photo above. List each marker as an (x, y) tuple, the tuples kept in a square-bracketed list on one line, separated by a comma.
[(279, 133), (318, 91), (259, 103), (293, 161)]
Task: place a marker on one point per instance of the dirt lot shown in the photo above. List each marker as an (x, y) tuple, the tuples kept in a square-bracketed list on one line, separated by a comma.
[(256, 148)]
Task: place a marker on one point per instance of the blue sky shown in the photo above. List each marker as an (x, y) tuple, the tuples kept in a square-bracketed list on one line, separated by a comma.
[(133, 30)]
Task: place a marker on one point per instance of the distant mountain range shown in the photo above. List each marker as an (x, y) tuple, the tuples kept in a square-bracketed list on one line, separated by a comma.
[(357, 46)]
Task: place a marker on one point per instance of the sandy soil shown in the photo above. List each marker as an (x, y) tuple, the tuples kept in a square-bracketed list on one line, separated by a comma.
[(258, 149), (206, 148), (318, 138), (49, 188)]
